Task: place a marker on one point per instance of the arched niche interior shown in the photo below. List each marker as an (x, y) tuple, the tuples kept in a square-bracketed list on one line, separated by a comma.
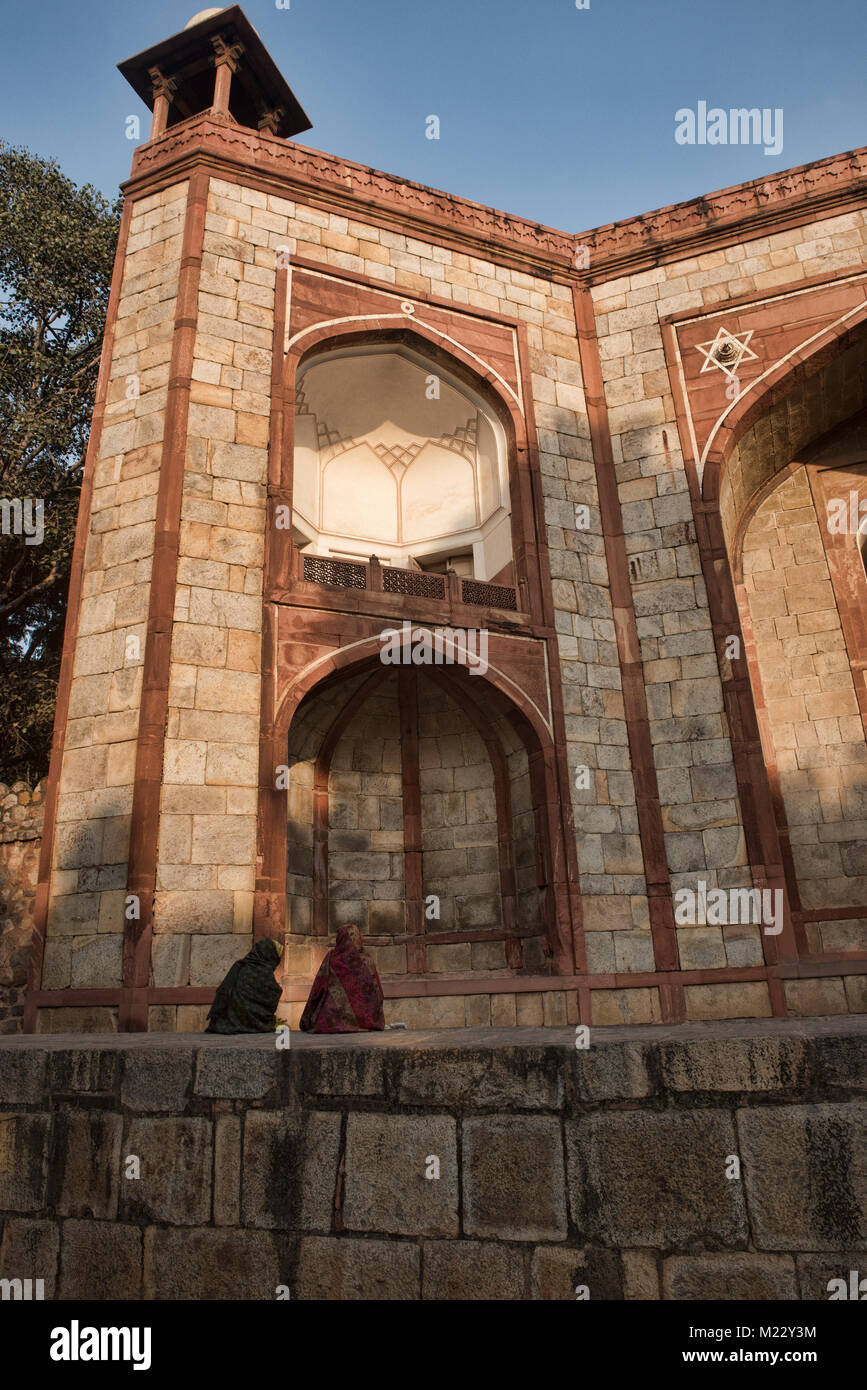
[(396, 457), (416, 809), (802, 597)]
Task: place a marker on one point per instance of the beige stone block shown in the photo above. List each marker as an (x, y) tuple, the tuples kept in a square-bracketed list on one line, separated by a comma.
[(184, 878), (242, 801), (240, 461), (208, 574), (223, 840), (194, 912), (175, 839), (199, 645), (212, 422), (188, 799), (232, 764), (503, 1011), (225, 691), (252, 429), (528, 1009), (613, 1006), (84, 769), (112, 911), (89, 695), (120, 764), (185, 760), (243, 911), (238, 547), (182, 686), (816, 998), (237, 877), (244, 651), (221, 728), (742, 1000)]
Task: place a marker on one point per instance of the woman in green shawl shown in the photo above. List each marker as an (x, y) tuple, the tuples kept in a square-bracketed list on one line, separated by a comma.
[(246, 1001)]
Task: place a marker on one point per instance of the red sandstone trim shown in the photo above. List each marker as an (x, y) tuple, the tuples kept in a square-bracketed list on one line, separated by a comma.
[(70, 634), (407, 694), (651, 830), (270, 900), (584, 985), (157, 660)]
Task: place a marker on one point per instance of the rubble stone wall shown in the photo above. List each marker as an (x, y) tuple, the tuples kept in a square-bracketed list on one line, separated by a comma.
[(21, 813)]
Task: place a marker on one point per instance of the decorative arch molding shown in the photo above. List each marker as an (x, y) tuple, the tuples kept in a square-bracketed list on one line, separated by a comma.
[(366, 652), (778, 384), (362, 658)]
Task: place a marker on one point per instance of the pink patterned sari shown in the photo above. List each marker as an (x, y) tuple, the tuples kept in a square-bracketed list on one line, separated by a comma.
[(347, 995)]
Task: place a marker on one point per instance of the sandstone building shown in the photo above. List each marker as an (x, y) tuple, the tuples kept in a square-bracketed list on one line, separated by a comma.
[(332, 402)]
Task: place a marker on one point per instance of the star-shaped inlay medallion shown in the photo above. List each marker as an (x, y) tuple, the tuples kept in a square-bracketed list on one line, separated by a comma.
[(726, 351)]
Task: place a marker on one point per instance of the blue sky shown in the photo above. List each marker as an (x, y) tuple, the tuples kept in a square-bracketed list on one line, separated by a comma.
[(561, 115)]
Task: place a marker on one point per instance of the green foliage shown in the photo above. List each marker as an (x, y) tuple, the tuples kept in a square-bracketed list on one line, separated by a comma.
[(57, 244)]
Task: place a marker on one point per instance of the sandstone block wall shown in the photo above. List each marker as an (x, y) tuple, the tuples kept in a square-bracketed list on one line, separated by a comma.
[(207, 845), (725, 1166), (690, 736), (814, 731), (207, 822), (365, 837), (92, 838)]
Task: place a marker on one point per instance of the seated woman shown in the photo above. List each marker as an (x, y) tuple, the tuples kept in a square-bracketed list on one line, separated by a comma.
[(246, 1001), (346, 996)]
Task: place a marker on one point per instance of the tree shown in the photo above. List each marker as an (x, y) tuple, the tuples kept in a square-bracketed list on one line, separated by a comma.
[(57, 243)]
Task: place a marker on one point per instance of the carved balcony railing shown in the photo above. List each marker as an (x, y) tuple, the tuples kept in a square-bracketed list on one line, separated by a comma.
[(378, 578)]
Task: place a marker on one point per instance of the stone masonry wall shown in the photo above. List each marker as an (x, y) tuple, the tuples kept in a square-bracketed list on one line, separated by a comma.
[(206, 859), (91, 849), (365, 837), (21, 813), (692, 750), (813, 727), (721, 1163), (459, 831)]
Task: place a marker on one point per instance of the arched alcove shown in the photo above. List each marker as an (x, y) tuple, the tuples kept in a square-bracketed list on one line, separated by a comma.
[(790, 498), (396, 456), (416, 809)]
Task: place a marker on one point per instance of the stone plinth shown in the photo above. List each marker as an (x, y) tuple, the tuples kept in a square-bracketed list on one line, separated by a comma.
[(700, 1161)]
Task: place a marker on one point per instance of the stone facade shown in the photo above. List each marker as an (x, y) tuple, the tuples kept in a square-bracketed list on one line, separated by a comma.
[(640, 729), (650, 1166)]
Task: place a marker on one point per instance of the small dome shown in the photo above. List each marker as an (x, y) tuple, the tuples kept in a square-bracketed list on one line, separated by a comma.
[(203, 14)]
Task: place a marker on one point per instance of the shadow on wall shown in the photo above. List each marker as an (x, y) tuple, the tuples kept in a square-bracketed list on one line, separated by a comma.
[(21, 812)]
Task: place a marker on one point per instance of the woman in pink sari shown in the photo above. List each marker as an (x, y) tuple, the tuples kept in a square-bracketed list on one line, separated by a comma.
[(347, 995)]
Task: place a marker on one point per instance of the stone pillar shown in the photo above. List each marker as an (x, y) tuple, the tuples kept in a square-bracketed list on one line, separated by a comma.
[(226, 61), (164, 89)]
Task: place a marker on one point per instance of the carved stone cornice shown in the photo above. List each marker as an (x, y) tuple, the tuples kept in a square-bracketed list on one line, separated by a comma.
[(779, 201), (809, 188)]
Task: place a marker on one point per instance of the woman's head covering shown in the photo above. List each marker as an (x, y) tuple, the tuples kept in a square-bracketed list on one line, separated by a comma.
[(247, 999), (347, 995)]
